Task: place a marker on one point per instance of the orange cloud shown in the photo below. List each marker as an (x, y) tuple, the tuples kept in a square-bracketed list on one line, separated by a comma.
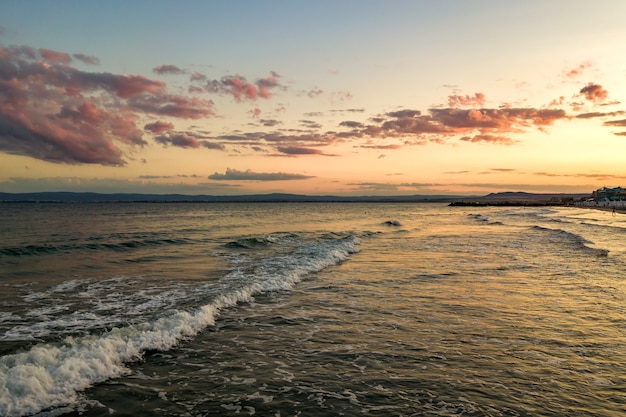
[(578, 70), (499, 140), (594, 92)]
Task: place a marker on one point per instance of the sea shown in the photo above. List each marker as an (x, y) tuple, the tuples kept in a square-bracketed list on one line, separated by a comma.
[(311, 309)]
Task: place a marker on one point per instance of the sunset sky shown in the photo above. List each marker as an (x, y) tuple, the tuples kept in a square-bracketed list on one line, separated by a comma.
[(337, 97)]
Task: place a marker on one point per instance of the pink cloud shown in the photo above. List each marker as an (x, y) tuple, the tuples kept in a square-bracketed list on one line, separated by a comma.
[(52, 111), (477, 100), (159, 127), (173, 105), (55, 57)]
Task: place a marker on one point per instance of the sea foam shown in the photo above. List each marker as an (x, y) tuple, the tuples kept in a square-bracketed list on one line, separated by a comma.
[(52, 374)]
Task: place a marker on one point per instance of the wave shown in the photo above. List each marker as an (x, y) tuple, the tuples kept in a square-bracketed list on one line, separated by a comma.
[(263, 241), (34, 250), (51, 375), (576, 241), (392, 223)]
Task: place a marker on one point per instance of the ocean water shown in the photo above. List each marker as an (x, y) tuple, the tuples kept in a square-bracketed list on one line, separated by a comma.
[(311, 309)]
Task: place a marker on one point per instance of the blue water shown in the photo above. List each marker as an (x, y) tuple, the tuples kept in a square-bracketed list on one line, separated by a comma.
[(311, 309)]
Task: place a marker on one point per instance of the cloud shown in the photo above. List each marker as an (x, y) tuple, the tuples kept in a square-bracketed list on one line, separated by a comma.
[(578, 70), (87, 59), (248, 175), (270, 122), (180, 139), (212, 145), (51, 111), (351, 124), (616, 123), (599, 114), (499, 140), (167, 69), (341, 96), (159, 127), (238, 87), (310, 124), (296, 150), (314, 92), (55, 57), (594, 92), (478, 100), (390, 146), (173, 105)]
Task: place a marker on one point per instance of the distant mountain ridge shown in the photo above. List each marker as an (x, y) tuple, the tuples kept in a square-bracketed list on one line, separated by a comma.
[(277, 197), (273, 197)]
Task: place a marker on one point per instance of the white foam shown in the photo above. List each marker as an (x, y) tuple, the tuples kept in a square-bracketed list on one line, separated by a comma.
[(51, 375)]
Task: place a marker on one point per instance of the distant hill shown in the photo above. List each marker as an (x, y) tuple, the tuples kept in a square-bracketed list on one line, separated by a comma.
[(519, 198), (489, 199), (276, 197)]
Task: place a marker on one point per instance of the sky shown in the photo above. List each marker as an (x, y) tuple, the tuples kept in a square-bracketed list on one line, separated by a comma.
[(341, 97)]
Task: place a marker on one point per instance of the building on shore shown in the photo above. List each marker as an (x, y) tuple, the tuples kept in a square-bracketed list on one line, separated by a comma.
[(612, 197)]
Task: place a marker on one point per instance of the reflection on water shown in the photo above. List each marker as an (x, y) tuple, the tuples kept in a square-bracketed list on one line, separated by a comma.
[(443, 311)]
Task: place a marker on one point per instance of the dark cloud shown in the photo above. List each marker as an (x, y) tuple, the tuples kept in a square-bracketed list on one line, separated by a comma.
[(401, 114), (248, 175), (167, 69), (296, 150), (179, 139), (594, 92), (212, 145), (270, 122), (310, 124), (599, 114), (348, 110), (87, 59), (616, 123), (238, 87), (352, 125), (173, 105)]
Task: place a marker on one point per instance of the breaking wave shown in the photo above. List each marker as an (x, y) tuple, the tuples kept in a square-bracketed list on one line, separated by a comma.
[(52, 374)]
